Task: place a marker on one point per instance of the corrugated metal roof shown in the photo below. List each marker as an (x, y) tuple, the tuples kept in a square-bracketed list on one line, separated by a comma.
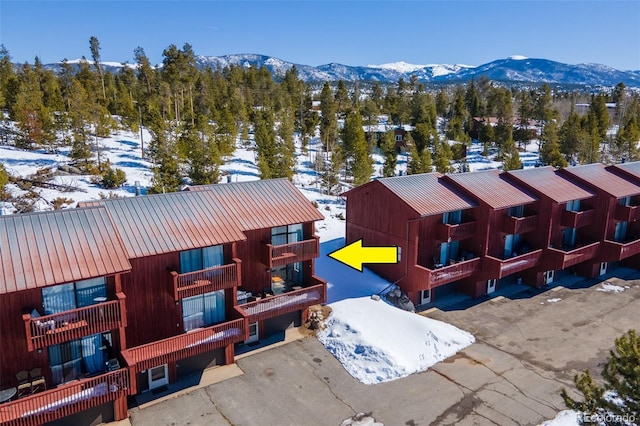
[(632, 169), (491, 188), (600, 177), (41, 249), (263, 204), (546, 181), (177, 221), (425, 193)]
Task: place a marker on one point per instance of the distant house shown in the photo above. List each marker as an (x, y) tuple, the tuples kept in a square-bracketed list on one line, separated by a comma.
[(376, 132)]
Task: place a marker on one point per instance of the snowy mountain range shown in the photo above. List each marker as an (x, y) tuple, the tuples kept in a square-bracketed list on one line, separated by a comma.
[(513, 69)]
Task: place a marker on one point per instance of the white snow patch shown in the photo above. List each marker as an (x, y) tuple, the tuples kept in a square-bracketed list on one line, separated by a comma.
[(518, 57), (376, 342), (400, 66), (564, 418), (361, 419), (554, 300), (610, 288)]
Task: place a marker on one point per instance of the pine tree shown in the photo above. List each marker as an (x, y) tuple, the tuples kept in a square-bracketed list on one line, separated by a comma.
[(266, 146), (388, 148), (286, 147), (510, 156), (328, 123), (550, 152), (628, 139), (443, 156), (621, 374), (29, 110), (94, 45), (355, 147), (166, 172), (419, 160), (342, 99), (330, 173), (4, 178)]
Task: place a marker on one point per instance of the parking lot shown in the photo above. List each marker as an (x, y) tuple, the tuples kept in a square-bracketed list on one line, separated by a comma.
[(528, 346)]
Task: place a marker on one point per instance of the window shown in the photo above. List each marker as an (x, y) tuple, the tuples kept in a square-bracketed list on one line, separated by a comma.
[(66, 297), (511, 244), (517, 211), (569, 237), (281, 235), (452, 218), (621, 231), (573, 206), (203, 310), (398, 138), (201, 258), (449, 251), (625, 201), (74, 359), (285, 277)]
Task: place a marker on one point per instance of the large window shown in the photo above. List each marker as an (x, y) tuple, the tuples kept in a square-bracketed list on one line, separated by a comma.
[(511, 244), (573, 206), (201, 258), (75, 359), (66, 297), (569, 237), (203, 310), (516, 211), (281, 235), (452, 218), (449, 251), (283, 278)]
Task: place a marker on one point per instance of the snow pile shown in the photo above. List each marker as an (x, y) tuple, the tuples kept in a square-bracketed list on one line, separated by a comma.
[(564, 418), (376, 342), (610, 288), (361, 419), (554, 300)]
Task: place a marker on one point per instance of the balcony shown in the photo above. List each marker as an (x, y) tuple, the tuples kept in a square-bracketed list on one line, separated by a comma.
[(562, 259), (284, 254), (205, 281), (627, 213), (273, 306), (572, 219), (458, 232), (186, 345), (519, 225), (498, 268), (67, 399), (448, 274), (613, 251), (74, 324)]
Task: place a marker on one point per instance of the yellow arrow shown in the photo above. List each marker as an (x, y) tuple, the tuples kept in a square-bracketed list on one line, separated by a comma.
[(354, 255)]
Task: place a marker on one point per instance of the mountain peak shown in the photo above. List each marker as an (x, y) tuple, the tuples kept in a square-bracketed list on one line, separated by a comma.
[(518, 57)]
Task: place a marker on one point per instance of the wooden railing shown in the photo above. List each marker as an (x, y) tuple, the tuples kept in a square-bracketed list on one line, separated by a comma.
[(185, 345), (498, 268), (627, 213), (457, 232), (284, 254), (292, 301), (613, 250), (561, 259), (66, 399), (448, 274), (71, 325), (573, 219), (519, 225), (205, 281)]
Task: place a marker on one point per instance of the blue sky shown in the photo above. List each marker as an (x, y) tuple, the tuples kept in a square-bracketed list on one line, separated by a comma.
[(319, 32)]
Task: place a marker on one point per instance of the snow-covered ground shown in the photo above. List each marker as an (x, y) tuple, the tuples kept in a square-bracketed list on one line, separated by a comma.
[(376, 342)]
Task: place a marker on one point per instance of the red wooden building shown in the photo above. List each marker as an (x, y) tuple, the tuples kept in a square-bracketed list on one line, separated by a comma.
[(476, 232), (162, 287)]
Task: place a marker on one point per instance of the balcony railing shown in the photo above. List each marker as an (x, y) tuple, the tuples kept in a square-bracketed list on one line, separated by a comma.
[(627, 213), (457, 232), (448, 274), (205, 281), (561, 259), (65, 400), (613, 251), (498, 268), (284, 254), (71, 325), (284, 303), (519, 225), (185, 345), (573, 219)]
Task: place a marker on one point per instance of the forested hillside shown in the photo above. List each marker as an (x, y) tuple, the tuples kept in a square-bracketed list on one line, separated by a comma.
[(195, 115)]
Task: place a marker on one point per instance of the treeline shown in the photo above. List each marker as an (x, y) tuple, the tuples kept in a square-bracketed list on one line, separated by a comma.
[(195, 115)]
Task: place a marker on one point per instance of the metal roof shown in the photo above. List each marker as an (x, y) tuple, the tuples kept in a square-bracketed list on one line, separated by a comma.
[(598, 176), (42, 249), (546, 181), (490, 187), (263, 204), (632, 169), (177, 221), (425, 193)]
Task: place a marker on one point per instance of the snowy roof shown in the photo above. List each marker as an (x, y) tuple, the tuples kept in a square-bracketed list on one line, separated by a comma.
[(547, 182), (597, 175), (491, 188), (47, 248), (165, 223), (629, 169), (425, 193), (383, 128), (263, 204)]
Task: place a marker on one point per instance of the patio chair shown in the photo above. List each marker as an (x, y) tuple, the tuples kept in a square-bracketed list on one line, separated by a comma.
[(24, 385), (38, 383)]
